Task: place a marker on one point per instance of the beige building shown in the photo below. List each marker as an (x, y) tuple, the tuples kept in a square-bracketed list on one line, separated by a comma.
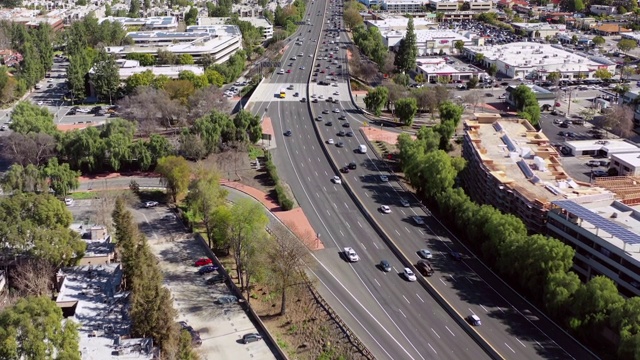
[(513, 167)]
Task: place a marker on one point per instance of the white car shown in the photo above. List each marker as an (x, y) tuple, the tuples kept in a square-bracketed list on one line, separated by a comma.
[(314, 96), (281, 71), (385, 209), (351, 254), (68, 201), (321, 97), (384, 178), (310, 55), (409, 275), (337, 111), (337, 93), (330, 141), (150, 204), (337, 180)]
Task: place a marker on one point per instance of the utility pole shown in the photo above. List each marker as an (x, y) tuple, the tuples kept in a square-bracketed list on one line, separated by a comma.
[(569, 105)]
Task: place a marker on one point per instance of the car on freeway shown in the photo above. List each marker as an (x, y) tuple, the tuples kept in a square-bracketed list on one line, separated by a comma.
[(384, 266), (325, 111), (336, 180), (281, 71), (342, 117), (341, 133), (288, 71), (337, 111), (288, 133), (319, 118), (456, 255), (349, 133), (329, 123), (404, 202), (409, 275), (216, 279), (150, 204), (347, 125), (385, 209), (330, 141), (425, 268), (425, 254), (207, 269), (351, 254), (344, 169), (315, 101), (340, 144), (227, 299), (384, 178), (203, 262), (353, 165), (418, 220), (196, 340), (474, 320), (251, 337)]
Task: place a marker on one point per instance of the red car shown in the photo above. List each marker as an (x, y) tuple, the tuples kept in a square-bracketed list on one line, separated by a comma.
[(322, 71), (288, 71), (203, 262)]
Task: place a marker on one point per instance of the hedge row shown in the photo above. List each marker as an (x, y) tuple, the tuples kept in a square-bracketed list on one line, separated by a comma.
[(281, 194)]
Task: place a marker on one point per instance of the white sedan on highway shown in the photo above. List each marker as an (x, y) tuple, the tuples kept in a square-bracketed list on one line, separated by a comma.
[(337, 180), (350, 254), (385, 209)]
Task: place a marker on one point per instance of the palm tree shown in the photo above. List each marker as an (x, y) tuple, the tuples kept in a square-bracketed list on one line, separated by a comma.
[(479, 57)]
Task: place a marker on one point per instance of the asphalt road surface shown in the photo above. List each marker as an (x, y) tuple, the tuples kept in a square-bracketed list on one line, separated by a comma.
[(394, 318)]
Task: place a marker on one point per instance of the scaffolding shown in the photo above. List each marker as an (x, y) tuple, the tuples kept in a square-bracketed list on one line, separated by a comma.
[(626, 188)]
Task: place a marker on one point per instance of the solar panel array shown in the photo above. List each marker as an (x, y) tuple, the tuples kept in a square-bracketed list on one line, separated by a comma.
[(627, 236)]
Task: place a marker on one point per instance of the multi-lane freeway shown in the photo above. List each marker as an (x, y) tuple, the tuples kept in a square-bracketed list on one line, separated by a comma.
[(395, 318)]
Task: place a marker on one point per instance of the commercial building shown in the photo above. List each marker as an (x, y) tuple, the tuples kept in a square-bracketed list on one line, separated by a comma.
[(546, 98), (479, 5), (534, 60), (404, 6), (539, 30), (444, 5), (513, 167), (159, 23), (259, 22), (431, 42), (604, 148), (218, 41), (635, 35), (610, 29), (605, 235), (438, 70), (603, 10), (32, 18), (400, 23), (626, 164)]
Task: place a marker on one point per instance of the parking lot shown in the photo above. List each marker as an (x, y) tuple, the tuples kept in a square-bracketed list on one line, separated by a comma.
[(221, 327)]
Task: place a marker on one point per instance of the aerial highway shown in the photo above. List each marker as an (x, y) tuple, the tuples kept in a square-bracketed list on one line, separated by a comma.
[(394, 318)]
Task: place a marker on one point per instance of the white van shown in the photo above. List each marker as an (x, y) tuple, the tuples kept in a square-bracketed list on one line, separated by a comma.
[(362, 149)]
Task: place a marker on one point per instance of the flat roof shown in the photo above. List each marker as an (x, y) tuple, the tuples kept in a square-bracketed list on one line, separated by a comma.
[(95, 247), (156, 21), (632, 159), (255, 21), (609, 146), (400, 23), (99, 309), (438, 65), (541, 57), (621, 230), (520, 157), (540, 26)]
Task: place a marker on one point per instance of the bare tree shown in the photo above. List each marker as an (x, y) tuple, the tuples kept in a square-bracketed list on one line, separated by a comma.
[(472, 98), (288, 258), (148, 103), (103, 208), (32, 148), (205, 100), (617, 119), (33, 278), (389, 66)]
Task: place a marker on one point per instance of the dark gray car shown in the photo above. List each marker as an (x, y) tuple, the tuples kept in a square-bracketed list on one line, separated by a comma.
[(251, 337)]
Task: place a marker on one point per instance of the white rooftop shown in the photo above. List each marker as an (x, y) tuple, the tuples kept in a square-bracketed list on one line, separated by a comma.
[(101, 310), (255, 21), (540, 26), (612, 146), (437, 65), (400, 23), (151, 22), (131, 67), (632, 159), (542, 57)]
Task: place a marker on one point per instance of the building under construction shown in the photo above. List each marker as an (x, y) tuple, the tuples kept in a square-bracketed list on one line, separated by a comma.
[(625, 188)]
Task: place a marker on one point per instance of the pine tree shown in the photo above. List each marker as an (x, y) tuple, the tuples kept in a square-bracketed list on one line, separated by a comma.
[(407, 50), (106, 77)]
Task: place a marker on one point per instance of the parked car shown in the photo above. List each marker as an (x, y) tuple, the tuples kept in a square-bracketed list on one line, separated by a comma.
[(203, 262), (216, 279), (207, 269), (227, 299), (251, 337), (150, 204)]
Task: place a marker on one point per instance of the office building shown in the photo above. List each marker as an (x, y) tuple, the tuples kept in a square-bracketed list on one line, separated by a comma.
[(444, 5), (626, 164), (539, 30), (605, 234), (404, 6), (603, 148), (513, 167), (159, 23), (400, 23), (218, 41), (534, 60), (431, 42), (437, 69), (259, 22)]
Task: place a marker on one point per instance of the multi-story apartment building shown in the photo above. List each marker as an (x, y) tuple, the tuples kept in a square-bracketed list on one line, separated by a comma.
[(513, 167), (605, 234)]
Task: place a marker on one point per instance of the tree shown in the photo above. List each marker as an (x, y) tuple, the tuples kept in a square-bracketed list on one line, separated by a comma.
[(185, 59), (420, 78), (60, 177), (554, 77), (406, 109), (492, 70), (191, 17), (603, 74), (34, 148), (450, 112), (459, 45), (246, 226), (288, 258), (527, 104), (106, 76), (626, 45), (402, 79), (618, 119), (598, 40), (352, 18), (175, 172), (33, 278), (30, 118), (33, 328), (407, 50), (593, 303), (205, 196), (472, 83), (376, 98), (478, 58)]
